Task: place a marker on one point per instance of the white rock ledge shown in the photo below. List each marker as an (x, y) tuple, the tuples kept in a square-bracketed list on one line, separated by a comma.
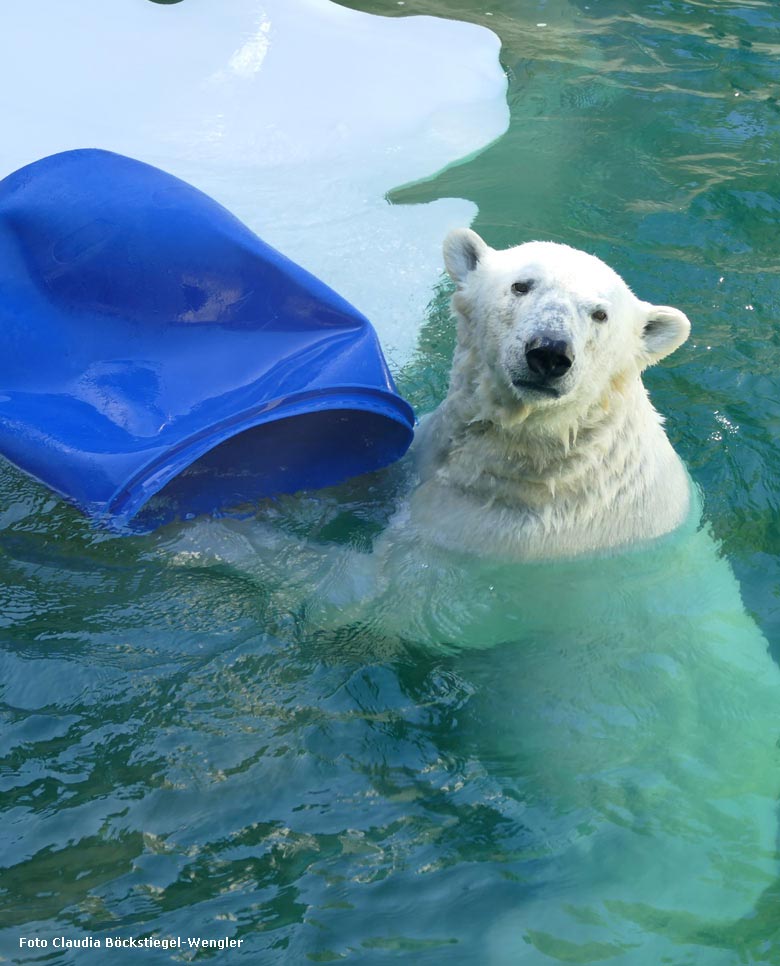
[(298, 115)]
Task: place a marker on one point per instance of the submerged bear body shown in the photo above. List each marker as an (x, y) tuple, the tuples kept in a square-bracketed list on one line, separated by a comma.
[(610, 722)]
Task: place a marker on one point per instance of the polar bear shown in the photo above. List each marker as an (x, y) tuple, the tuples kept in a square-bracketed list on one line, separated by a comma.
[(547, 444), (615, 711)]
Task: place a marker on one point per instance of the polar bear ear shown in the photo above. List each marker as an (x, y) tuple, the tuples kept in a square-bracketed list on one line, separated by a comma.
[(463, 250), (664, 329)]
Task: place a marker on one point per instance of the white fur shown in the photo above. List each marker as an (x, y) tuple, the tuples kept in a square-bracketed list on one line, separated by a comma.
[(518, 473)]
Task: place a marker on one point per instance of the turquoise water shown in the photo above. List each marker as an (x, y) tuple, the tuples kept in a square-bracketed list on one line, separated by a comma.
[(210, 732)]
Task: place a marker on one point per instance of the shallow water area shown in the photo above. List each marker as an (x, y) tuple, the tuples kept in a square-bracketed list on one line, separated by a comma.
[(254, 728)]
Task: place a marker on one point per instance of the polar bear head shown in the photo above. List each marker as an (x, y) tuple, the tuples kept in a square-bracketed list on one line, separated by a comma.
[(549, 327)]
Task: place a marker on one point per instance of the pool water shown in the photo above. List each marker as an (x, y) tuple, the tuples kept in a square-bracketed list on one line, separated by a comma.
[(218, 730)]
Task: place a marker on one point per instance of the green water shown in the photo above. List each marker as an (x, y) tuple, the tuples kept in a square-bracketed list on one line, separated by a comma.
[(210, 732)]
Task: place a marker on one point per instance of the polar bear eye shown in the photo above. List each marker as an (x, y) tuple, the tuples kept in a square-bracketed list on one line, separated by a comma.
[(521, 288), (599, 315)]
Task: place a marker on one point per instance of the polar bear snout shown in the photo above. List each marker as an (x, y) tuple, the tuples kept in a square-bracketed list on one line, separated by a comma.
[(541, 364), (549, 358)]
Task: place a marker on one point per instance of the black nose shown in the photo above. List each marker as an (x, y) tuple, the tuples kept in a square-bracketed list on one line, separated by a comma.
[(549, 358)]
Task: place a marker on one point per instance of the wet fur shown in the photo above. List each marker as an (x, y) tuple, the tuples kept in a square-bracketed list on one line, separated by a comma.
[(517, 477)]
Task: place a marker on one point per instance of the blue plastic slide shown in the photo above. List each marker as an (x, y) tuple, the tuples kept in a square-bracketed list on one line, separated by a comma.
[(150, 342)]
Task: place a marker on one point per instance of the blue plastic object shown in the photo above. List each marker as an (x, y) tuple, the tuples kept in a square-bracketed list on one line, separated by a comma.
[(150, 342)]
